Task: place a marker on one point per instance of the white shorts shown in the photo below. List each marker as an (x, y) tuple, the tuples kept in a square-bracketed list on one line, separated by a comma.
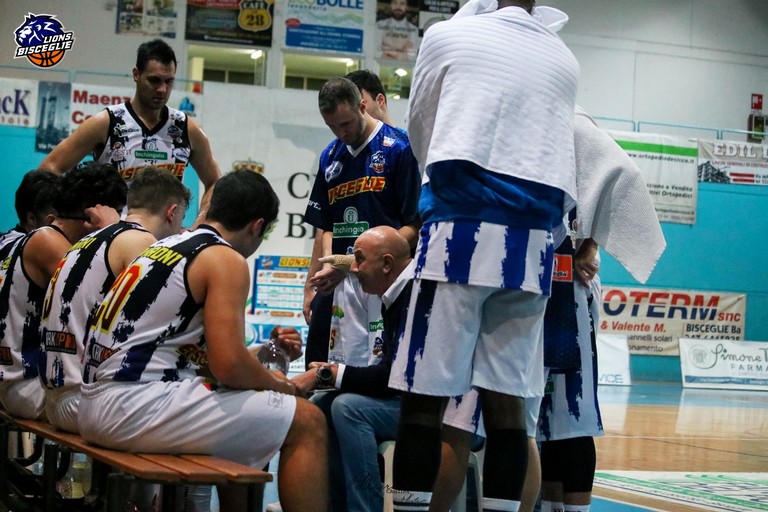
[(356, 325), (23, 398), (466, 413), (457, 336), (570, 407), (61, 408), (248, 427)]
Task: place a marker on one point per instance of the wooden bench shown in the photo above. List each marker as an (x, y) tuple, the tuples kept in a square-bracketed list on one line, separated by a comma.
[(111, 488)]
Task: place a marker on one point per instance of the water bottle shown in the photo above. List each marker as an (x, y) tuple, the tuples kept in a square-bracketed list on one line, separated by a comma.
[(274, 357)]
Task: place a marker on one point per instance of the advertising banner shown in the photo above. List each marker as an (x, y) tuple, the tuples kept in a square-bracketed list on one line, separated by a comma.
[(724, 364), (669, 166), (89, 99), (655, 319), (241, 22), (325, 25), (277, 298), (18, 102), (724, 161), (613, 360)]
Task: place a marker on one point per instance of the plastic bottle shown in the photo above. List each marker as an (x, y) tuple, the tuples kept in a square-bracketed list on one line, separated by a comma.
[(274, 357)]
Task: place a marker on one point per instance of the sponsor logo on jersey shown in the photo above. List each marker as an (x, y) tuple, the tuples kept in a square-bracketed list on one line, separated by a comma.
[(378, 162), (175, 133), (58, 341), (122, 130), (333, 170), (358, 186), (563, 270), (151, 155), (388, 141), (349, 230), (194, 355), (378, 346), (99, 353)]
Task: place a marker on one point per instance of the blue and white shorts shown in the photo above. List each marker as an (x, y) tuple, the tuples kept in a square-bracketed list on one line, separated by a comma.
[(476, 312)]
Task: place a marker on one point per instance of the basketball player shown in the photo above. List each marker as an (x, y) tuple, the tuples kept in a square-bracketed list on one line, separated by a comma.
[(87, 198), (180, 307), (157, 201), (143, 131)]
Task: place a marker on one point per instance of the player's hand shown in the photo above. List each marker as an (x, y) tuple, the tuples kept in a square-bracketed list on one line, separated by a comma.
[(101, 216), (289, 339), (325, 281)]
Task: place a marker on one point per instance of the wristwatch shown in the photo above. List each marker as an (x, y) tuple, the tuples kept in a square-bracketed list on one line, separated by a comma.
[(324, 377)]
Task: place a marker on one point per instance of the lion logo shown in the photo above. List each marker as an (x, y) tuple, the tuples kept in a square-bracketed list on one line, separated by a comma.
[(42, 39)]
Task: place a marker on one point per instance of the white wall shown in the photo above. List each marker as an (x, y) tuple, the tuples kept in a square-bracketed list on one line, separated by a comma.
[(692, 62)]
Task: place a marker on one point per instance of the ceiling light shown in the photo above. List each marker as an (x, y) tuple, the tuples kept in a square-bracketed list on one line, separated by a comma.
[(349, 62), (401, 72), (257, 54)]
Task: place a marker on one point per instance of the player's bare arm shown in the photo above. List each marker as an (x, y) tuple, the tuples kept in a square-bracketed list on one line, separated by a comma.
[(204, 164), (88, 137), (218, 279), (42, 255)]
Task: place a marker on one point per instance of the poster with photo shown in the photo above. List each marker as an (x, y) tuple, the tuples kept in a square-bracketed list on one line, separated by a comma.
[(52, 114), (397, 30), (435, 11), (147, 17)]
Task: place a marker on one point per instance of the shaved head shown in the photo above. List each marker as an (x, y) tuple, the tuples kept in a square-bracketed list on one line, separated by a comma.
[(381, 254)]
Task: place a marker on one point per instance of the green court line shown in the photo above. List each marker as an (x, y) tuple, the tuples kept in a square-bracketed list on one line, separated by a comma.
[(705, 496)]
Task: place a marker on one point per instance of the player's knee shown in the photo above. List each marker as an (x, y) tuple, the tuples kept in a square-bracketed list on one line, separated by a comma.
[(422, 410), (309, 424)]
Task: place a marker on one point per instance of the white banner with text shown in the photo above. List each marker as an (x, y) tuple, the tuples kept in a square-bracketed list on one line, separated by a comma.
[(724, 364)]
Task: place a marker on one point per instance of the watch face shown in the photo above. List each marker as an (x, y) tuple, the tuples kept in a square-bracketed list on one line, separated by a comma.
[(326, 374)]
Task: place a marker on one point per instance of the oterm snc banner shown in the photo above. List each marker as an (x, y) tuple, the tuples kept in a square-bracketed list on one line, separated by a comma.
[(654, 319)]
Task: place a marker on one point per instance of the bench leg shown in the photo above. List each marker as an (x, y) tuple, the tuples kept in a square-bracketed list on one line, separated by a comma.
[(116, 495), (255, 497), (50, 463), (169, 498)]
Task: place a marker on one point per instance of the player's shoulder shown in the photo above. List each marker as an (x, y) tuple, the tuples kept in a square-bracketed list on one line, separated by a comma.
[(393, 139)]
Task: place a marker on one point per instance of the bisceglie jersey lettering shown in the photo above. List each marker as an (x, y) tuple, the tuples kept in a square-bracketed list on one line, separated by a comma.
[(177, 169), (358, 186), (163, 255)]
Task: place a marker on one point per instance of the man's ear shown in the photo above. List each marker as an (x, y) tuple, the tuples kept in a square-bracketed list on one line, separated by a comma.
[(389, 261), (254, 228), (381, 100), (136, 74), (169, 211)]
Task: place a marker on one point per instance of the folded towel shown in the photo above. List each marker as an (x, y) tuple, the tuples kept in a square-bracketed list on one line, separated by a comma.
[(615, 208)]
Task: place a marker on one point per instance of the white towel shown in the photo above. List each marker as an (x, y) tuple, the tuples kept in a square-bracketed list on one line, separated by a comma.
[(553, 19), (614, 206)]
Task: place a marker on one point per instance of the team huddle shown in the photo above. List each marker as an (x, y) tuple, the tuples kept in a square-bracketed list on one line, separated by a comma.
[(451, 297)]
